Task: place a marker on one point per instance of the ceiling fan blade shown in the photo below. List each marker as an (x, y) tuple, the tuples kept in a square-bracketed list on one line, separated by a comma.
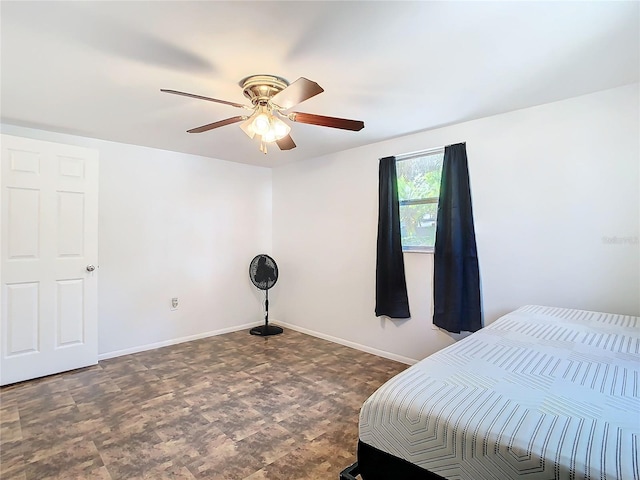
[(299, 91), (221, 123), (333, 122), (286, 143), (200, 97)]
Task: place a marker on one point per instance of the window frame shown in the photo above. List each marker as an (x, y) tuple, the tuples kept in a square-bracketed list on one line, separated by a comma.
[(421, 201)]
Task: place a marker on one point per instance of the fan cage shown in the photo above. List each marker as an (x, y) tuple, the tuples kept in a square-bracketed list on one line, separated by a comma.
[(263, 271)]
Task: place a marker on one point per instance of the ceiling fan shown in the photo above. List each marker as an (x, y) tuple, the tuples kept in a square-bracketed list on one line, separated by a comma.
[(271, 98)]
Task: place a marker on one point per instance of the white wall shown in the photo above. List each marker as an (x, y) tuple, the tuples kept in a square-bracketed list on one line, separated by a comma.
[(173, 225), (551, 186)]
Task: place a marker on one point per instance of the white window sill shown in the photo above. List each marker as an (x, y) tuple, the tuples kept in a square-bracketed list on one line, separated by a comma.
[(418, 250)]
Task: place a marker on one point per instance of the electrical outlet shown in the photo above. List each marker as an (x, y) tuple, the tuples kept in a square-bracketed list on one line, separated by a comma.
[(174, 303)]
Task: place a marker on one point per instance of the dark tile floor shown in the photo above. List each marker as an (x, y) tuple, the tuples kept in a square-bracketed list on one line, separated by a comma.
[(233, 406)]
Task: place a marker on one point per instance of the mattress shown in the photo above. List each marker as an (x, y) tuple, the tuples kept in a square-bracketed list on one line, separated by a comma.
[(541, 393)]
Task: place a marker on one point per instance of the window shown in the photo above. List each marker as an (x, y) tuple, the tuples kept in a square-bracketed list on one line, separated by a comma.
[(418, 191)]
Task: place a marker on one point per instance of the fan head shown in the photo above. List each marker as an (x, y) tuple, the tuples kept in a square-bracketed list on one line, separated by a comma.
[(263, 271)]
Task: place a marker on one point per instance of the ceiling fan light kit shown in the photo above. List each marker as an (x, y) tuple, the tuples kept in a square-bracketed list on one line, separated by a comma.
[(271, 97)]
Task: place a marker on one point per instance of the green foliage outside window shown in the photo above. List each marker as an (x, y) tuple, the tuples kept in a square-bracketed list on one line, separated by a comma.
[(418, 192)]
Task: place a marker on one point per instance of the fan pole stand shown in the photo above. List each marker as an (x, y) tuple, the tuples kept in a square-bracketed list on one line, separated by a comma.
[(266, 329)]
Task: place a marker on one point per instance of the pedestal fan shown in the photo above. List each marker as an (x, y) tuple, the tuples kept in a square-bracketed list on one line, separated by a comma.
[(263, 273)]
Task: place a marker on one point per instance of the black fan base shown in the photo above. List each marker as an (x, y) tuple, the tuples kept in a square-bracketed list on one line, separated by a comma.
[(266, 330)]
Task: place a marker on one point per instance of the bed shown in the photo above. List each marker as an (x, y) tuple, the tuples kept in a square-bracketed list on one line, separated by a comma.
[(541, 393)]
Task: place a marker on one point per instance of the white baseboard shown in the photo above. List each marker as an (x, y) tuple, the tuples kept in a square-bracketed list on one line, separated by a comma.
[(174, 341), (313, 333), (347, 343)]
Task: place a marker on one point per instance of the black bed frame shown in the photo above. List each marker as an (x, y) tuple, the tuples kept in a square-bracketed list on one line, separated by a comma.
[(374, 464)]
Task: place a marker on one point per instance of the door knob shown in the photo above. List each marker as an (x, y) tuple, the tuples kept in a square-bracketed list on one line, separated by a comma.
[(90, 268)]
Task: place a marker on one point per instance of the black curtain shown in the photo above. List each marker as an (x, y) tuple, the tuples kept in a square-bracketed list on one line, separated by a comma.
[(391, 287), (456, 282)]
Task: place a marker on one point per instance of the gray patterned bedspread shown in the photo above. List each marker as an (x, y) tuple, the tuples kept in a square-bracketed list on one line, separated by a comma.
[(542, 393)]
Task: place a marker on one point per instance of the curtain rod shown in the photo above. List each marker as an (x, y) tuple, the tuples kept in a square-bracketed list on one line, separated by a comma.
[(404, 156), (428, 151)]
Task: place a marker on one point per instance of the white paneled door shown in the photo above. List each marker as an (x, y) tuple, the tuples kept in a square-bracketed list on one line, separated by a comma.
[(49, 248)]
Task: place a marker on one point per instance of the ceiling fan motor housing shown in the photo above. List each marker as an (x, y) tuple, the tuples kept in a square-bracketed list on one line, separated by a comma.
[(260, 88)]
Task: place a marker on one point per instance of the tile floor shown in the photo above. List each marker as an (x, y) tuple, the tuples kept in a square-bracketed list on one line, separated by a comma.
[(229, 407)]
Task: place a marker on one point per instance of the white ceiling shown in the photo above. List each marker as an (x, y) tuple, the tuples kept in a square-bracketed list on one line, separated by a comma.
[(96, 68)]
